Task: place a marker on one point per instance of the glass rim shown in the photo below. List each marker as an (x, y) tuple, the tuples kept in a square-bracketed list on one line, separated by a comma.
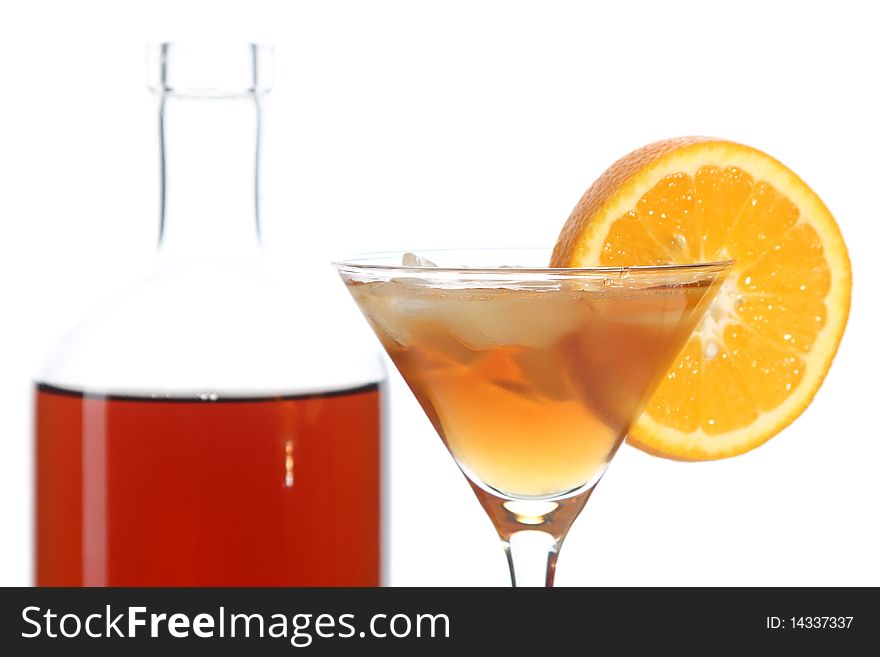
[(369, 263)]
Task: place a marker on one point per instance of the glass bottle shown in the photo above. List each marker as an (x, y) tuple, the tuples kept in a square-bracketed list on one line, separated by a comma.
[(217, 423)]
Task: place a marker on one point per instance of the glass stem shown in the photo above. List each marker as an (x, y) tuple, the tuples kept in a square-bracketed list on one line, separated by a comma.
[(532, 532), (531, 555)]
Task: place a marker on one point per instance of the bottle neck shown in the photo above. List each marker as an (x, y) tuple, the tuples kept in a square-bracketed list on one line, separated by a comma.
[(209, 152)]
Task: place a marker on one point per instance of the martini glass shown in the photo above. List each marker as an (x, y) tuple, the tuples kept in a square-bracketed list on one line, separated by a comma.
[(531, 375)]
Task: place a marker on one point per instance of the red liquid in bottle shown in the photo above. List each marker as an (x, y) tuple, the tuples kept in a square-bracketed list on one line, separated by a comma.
[(276, 491)]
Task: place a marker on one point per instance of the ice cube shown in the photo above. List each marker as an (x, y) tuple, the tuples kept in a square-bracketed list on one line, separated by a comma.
[(378, 301), (545, 374), (491, 318), (413, 260)]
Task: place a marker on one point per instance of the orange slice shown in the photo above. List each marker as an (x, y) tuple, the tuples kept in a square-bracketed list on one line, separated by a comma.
[(766, 343)]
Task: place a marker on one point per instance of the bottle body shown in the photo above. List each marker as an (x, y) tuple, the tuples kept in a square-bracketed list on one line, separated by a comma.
[(219, 433), (218, 423)]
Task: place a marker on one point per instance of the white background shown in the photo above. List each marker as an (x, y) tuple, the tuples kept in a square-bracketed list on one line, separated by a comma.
[(425, 124)]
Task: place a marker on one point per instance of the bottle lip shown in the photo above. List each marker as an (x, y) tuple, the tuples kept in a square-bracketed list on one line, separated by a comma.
[(209, 69)]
